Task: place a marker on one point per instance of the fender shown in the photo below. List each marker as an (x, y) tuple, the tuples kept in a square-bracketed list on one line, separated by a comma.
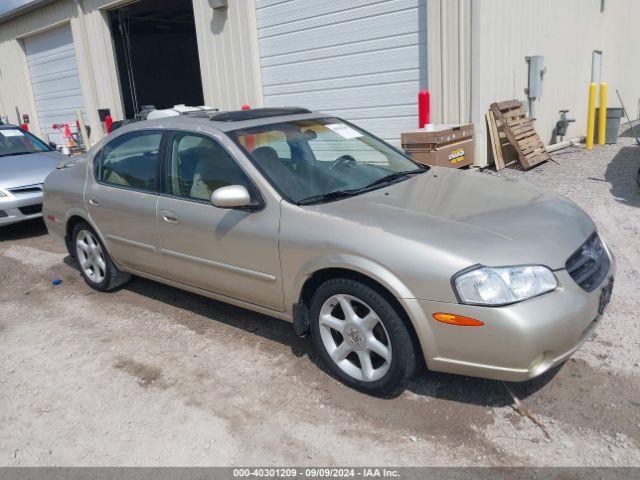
[(371, 269), (84, 214), (356, 263)]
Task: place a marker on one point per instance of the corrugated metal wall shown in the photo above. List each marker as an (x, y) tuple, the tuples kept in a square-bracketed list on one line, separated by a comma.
[(364, 60), (449, 65), (94, 55), (565, 32), (227, 46), (54, 79), (476, 55), (15, 83)]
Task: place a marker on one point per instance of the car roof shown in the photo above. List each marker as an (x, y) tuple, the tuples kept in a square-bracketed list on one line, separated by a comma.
[(225, 121), (8, 125)]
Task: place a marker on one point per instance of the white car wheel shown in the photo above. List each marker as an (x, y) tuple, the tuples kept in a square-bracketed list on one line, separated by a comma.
[(90, 256), (355, 338)]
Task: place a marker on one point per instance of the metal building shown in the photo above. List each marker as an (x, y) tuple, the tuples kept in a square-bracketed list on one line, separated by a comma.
[(364, 60)]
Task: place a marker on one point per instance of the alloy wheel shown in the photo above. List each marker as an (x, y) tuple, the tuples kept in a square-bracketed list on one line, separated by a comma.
[(355, 338), (90, 256)]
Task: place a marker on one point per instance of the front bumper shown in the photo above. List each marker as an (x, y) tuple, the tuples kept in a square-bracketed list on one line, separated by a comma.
[(517, 342), (14, 209)]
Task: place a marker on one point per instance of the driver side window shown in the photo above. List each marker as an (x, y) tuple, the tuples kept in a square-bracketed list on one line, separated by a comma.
[(131, 161), (198, 165)]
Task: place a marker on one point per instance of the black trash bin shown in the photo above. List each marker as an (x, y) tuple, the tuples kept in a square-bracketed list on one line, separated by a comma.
[(613, 124)]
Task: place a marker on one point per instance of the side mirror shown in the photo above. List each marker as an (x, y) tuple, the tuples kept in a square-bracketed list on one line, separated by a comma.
[(53, 145), (232, 196)]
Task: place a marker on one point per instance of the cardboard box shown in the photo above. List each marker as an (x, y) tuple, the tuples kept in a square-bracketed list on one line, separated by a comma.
[(449, 145)]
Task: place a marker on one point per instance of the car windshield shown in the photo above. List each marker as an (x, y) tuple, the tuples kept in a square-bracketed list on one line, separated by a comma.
[(312, 161), (14, 141)]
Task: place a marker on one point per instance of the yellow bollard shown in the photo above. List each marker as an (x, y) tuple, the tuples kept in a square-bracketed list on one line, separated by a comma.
[(591, 120), (602, 119)]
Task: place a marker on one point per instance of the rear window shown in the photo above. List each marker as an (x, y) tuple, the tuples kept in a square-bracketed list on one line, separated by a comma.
[(131, 160)]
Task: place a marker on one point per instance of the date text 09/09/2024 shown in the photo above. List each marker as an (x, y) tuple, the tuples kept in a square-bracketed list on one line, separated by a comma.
[(315, 473)]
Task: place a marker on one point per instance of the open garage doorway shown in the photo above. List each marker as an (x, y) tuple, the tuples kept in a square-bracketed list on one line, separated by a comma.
[(157, 54)]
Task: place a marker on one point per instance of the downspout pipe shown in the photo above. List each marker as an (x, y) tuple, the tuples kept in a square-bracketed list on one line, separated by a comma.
[(477, 109)]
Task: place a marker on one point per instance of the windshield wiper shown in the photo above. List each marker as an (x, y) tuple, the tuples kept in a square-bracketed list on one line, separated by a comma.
[(393, 176), (334, 195), (14, 153)]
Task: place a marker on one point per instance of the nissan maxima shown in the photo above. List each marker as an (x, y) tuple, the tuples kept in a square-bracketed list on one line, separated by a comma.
[(388, 265)]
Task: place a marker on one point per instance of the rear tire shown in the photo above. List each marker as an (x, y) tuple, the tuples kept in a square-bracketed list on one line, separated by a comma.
[(362, 338), (95, 264)]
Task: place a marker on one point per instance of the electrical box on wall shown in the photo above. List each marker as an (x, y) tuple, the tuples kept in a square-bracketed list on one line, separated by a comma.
[(536, 76)]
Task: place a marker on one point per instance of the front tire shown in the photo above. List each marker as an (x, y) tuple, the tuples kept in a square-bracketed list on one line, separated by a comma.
[(362, 338), (95, 264)]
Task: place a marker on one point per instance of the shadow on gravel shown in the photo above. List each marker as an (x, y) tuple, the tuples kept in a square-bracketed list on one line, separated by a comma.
[(254, 323), (251, 322), (22, 230), (621, 174), (629, 132), (476, 391)]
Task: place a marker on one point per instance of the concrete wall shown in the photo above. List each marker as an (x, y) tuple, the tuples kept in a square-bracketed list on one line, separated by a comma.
[(565, 32), (227, 46)]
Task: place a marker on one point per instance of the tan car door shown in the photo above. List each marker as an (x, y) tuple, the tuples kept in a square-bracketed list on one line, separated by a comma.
[(226, 251), (122, 196)]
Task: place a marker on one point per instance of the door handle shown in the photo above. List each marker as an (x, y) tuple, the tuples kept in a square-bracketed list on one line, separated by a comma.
[(170, 217), (94, 201)]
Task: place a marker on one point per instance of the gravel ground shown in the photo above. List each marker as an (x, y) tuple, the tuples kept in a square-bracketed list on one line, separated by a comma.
[(150, 375)]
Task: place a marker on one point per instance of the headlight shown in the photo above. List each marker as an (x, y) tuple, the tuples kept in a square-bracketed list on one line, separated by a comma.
[(3, 193), (504, 285)]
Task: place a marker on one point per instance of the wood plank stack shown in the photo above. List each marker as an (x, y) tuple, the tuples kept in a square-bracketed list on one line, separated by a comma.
[(510, 118)]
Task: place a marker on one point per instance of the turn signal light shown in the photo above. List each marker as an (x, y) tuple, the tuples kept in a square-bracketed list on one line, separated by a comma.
[(459, 320)]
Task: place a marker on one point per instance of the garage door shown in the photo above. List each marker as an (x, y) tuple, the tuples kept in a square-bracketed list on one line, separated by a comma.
[(363, 60), (54, 78)]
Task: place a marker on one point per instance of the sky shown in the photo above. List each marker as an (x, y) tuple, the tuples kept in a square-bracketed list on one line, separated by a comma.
[(6, 5)]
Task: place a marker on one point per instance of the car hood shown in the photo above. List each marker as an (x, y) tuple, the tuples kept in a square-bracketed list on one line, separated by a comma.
[(30, 169), (477, 218)]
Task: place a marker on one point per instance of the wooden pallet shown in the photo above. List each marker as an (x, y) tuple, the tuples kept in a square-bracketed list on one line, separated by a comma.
[(502, 151), (520, 132)]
